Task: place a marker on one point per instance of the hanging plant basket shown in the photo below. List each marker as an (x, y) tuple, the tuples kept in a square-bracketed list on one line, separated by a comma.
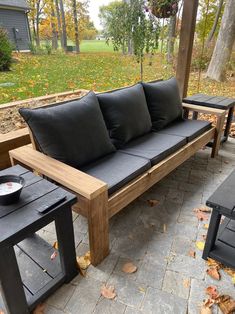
[(164, 8)]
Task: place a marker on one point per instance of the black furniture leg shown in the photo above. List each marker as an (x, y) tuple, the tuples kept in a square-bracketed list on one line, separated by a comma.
[(11, 284), (228, 123), (65, 237), (185, 114), (212, 233), (195, 115)]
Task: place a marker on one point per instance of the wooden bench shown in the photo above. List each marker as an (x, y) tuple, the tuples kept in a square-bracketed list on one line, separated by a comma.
[(93, 201)]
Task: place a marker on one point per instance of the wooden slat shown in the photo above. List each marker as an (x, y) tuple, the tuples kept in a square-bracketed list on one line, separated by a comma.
[(29, 194), (75, 180), (40, 251), (138, 186), (11, 141), (203, 109), (33, 277)]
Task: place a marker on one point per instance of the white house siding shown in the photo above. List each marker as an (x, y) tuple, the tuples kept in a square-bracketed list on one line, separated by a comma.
[(10, 19)]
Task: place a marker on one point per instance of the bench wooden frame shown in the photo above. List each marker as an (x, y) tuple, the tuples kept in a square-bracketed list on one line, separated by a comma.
[(93, 201)]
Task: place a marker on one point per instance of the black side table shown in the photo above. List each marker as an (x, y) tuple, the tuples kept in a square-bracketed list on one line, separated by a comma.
[(217, 102), (28, 273), (220, 241)]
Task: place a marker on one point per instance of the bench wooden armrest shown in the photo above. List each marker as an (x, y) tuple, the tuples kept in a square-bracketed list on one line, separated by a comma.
[(71, 178), (203, 109)]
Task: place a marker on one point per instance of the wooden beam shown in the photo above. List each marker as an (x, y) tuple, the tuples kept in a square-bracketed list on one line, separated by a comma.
[(186, 44)]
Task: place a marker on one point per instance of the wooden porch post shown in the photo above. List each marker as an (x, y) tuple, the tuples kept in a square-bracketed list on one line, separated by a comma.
[(186, 44)]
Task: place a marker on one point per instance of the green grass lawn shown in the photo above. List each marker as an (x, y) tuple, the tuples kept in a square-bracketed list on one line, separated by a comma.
[(95, 46), (37, 75)]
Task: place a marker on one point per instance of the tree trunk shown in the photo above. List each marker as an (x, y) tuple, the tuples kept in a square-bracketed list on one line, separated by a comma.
[(224, 44), (171, 39), (64, 33), (76, 26), (59, 23), (212, 32), (53, 27), (37, 38)]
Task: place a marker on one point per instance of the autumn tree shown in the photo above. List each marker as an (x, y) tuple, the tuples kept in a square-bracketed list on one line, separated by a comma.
[(63, 22), (74, 5), (35, 15), (224, 44)]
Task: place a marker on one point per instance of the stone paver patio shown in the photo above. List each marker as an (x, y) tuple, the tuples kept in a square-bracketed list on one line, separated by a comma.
[(157, 240)]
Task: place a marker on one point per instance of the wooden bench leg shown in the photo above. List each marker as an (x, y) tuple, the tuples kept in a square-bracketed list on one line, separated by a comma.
[(218, 134), (96, 211)]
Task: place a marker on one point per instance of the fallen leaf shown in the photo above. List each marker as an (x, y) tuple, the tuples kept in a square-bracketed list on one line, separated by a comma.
[(53, 255), (212, 292), (233, 280), (226, 162), (203, 208), (229, 271), (186, 283), (55, 245), (129, 268), (84, 261), (40, 309), (201, 216), (204, 237), (226, 304), (141, 289), (205, 310), (153, 203), (108, 292), (213, 263), (213, 273), (206, 226), (192, 253), (164, 228), (2, 312), (200, 245)]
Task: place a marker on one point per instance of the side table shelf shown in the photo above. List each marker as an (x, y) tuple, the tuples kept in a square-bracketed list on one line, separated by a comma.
[(28, 274)]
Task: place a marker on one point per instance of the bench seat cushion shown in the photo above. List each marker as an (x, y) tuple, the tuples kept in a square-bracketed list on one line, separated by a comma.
[(117, 169), (187, 128), (154, 146)]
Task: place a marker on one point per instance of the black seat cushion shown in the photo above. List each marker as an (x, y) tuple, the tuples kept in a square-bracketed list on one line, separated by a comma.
[(164, 102), (125, 113), (73, 132), (117, 169), (187, 128), (154, 146)]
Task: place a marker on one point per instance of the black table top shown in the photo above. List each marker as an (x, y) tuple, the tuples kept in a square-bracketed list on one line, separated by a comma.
[(218, 102), (224, 197), (22, 217)]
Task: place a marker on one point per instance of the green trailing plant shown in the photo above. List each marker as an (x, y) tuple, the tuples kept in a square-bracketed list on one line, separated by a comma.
[(5, 51)]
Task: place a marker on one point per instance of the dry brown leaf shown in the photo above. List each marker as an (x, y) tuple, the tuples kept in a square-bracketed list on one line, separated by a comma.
[(213, 263), (226, 304), (40, 309), (1, 311), (192, 253), (206, 226), (84, 261), (201, 216), (205, 310), (213, 273), (203, 208), (186, 283), (129, 268), (53, 255), (229, 271), (153, 203), (164, 228), (212, 292), (108, 292), (204, 237), (55, 245)]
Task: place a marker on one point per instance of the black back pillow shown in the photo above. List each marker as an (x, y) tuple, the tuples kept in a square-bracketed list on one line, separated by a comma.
[(73, 132), (125, 113), (164, 102)]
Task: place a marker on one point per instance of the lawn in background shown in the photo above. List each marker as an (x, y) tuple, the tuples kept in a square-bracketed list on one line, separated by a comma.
[(37, 75)]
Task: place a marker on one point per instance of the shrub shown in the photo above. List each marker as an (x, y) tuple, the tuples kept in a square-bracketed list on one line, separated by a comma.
[(5, 51)]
